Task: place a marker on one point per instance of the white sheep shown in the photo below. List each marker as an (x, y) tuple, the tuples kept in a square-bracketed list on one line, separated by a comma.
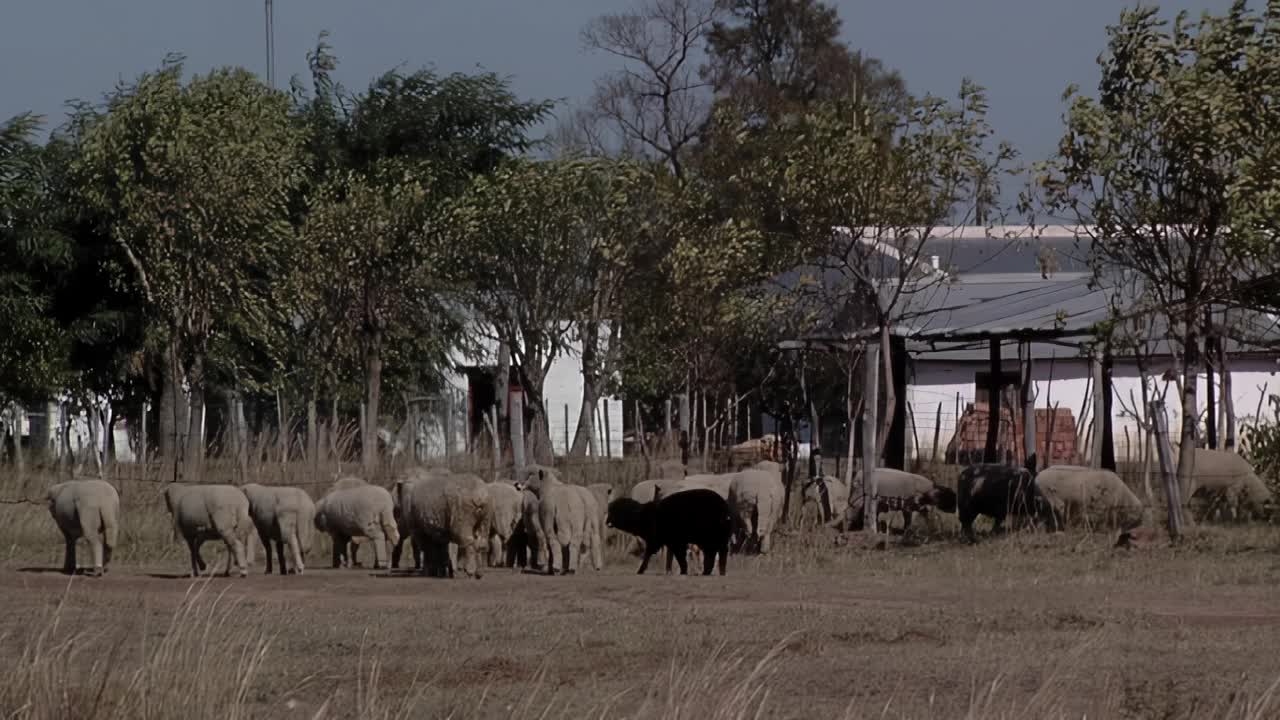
[(88, 509), (283, 516), (507, 505), (354, 510), (447, 514), (1226, 482), (591, 532), (755, 501), (562, 517), (212, 512), (1090, 495)]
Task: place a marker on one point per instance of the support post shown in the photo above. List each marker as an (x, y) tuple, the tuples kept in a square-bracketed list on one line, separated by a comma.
[(608, 437), (1108, 446), (1030, 461), (1172, 491), (870, 395), (566, 429), (1228, 400), (895, 449), (516, 421), (1095, 366), (449, 438), (685, 429), (142, 441), (989, 454), (667, 437), (815, 442), (1210, 394), (937, 436)]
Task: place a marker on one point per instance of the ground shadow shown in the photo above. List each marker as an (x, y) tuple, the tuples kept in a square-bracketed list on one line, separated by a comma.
[(51, 571)]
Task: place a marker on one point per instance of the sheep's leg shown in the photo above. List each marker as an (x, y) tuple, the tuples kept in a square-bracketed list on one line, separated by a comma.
[(266, 545), (572, 556), (709, 559), (339, 548), (644, 562), (295, 549), (284, 569), (597, 553), (91, 530), (724, 557), (681, 552), (379, 541), (69, 557), (236, 552), (495, 550), (554, 554), (197, 563), (451, 556)]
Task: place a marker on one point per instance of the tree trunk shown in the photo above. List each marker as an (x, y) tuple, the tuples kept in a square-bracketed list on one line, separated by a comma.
[(590, 387), (195, 432), (173, 407), (890, 396), (372, 391), (1228, 400), (538, 448), (1028, 411), (313, 431), (518, 456), (16, 415), (583, 435), (870, 388), (1190, 410), (95, 435)]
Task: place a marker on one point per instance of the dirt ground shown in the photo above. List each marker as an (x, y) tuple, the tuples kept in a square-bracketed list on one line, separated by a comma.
[(1059, 626)]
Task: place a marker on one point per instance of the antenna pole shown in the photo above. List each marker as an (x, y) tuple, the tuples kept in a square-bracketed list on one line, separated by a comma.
[(271, 44)]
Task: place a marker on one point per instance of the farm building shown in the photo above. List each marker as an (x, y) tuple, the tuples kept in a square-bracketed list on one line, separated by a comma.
[(470, 394), (982, 285)]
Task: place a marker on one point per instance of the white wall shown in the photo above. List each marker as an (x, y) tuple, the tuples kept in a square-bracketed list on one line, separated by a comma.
[(562, 388), (940, 381)]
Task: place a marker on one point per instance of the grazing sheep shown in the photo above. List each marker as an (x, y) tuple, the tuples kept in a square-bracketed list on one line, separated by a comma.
[(695, 517), (905, 492), (998, 491), (212, 512), (356, 510), (1224, 481), (284, 516), (1094, 496), (755, 499), (825, 498), (719, 484), (562, 516), (507, 507), (443, 509), (591, 535), (88, 509), (646, 491), (669, 470)]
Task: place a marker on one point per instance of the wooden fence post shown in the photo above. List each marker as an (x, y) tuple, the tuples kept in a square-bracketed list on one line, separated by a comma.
[(1172, 492), (1028, 411)]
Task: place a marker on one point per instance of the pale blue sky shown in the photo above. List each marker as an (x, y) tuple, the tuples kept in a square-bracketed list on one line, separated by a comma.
[(1024, 51)]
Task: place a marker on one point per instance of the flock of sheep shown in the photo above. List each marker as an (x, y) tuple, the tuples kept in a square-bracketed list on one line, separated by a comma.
[(537, 520)]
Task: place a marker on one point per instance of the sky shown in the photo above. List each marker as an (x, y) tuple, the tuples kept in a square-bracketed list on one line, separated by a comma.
[(1025, 52)]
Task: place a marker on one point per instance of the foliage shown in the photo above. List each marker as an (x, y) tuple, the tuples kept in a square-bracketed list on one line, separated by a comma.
[(1260, 444), (194, 181)]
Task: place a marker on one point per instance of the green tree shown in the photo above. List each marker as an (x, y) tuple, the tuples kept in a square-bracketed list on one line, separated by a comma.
[(194, 180), (1172, 166), (392, 157)]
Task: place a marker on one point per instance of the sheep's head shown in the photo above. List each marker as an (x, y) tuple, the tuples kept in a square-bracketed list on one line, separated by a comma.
[(943, 498), (630, 516)]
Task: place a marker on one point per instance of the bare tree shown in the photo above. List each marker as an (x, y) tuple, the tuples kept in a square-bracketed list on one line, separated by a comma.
[(657, 102)]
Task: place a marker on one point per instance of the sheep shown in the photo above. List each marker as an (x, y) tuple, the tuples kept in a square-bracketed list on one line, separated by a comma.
[(358, 509), (902, 491), (562, 516), (646, 490), (591, 536), (1075, 492), (603, 493), (443, 509), (285, 516), (755, 499), (719, 484), (998, 491), (1224, 480), (698, 517), (209, 512), (507, 505), (669, 470), (825, 497), (88, 509)]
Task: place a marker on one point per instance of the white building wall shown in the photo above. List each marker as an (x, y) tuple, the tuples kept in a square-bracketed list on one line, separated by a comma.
[(562, 390), (941, 382)]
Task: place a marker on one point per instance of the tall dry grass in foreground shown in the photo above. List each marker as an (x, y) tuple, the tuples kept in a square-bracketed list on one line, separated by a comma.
[(212, 659)]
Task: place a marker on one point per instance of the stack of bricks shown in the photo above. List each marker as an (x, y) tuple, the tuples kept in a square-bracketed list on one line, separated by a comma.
[(970, 440)]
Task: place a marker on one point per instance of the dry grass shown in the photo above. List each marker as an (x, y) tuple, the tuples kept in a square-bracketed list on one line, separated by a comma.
[(1043, 626)]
